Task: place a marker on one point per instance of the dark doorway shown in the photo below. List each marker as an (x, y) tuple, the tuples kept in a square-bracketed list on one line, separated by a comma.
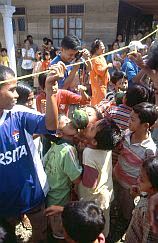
[(131, 20)]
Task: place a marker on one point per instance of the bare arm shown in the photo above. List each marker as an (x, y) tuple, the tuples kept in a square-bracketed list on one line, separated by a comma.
[(71, 77), (85, 96), (52, 210), (139, 76), (51, 117)]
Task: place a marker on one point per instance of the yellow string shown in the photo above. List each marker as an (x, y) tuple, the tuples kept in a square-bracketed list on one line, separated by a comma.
[(78, 63)]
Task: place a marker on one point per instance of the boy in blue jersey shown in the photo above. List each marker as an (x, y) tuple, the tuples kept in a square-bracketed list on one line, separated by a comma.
[(23, 181), (70, 50)]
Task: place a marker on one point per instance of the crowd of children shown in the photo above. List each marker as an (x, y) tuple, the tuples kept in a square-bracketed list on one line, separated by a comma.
[(64, 169)]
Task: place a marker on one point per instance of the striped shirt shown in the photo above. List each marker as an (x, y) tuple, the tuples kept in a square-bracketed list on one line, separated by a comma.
[(131, 158), (120, 114)]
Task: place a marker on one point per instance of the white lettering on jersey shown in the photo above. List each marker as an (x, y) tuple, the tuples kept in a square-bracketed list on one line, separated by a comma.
[(13, 156)]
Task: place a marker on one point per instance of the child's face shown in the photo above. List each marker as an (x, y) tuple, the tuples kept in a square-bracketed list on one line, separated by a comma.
[(68, 55), (134, 122), (122, 84), (3, 53), (91, 130), (47, 57), (91, 114), (119, 37), (8, 94), (101, 49), (30, 99), (38, 55), (65, 125), (143, 182)]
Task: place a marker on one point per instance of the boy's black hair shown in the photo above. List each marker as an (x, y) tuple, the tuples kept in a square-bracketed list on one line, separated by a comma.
[(46, 53), (151, 167), (49, 40), (29, 36), (108, 134), (136, 95), (4, 71), (23, 91), (152, 59), (116, 76), (71, 42), (42, 80), (83, 221), (26, 40), (3, 49), (147, 112), (45, 39)]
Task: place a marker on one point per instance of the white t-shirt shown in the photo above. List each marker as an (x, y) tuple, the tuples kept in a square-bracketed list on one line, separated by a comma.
[(27, 64), (101, 161)]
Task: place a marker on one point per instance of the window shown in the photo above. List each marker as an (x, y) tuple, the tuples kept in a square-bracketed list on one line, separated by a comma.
[(75, 8), (18, 19), (21, 24), (18, 24), (75, 26), (58, 9), (66, 20), (58, 30), (19, 11)]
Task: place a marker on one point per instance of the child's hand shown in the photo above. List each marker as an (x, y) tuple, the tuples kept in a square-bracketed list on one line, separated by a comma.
[(134, 191), (137, 58), (56, 73), (52, 210), (85, 54), (81, 88), (110, 65), (81, 146)]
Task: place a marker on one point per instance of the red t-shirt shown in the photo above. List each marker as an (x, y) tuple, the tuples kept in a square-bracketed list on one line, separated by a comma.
[(64, 99), (45, 65)]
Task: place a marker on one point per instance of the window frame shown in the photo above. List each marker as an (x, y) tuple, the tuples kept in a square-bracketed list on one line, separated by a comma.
[(66, 17)]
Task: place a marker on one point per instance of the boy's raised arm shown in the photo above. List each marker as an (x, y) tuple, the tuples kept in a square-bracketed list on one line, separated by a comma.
[(51, 118)]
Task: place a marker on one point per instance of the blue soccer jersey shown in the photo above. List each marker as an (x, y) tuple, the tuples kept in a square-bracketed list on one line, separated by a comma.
[(66, 73), (23, 180)]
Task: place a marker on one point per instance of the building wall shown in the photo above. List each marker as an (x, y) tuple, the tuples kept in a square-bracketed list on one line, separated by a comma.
[(100, 19), (2, 40)]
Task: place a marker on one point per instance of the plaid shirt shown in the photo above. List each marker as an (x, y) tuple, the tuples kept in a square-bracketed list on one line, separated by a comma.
[(139, 230)]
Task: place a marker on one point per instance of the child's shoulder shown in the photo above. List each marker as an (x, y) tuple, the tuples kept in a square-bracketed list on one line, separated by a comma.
[(67, 147), (94, 152)]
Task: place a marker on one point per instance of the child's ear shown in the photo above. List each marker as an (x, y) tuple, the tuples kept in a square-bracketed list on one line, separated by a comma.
[(94, 142), (59, 133), (147, 126)]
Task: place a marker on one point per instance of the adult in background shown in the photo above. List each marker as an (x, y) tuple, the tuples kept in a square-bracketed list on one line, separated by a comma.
[(28, 56), (33, 45), (120, 41), (99, 75), (50, 48), (131, 69), (114, 58)]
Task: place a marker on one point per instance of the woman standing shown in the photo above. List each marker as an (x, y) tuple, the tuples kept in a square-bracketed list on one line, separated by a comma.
[(99, 75)]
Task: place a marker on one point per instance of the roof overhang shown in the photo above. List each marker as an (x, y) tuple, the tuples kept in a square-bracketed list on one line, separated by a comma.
[(146, 6)]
